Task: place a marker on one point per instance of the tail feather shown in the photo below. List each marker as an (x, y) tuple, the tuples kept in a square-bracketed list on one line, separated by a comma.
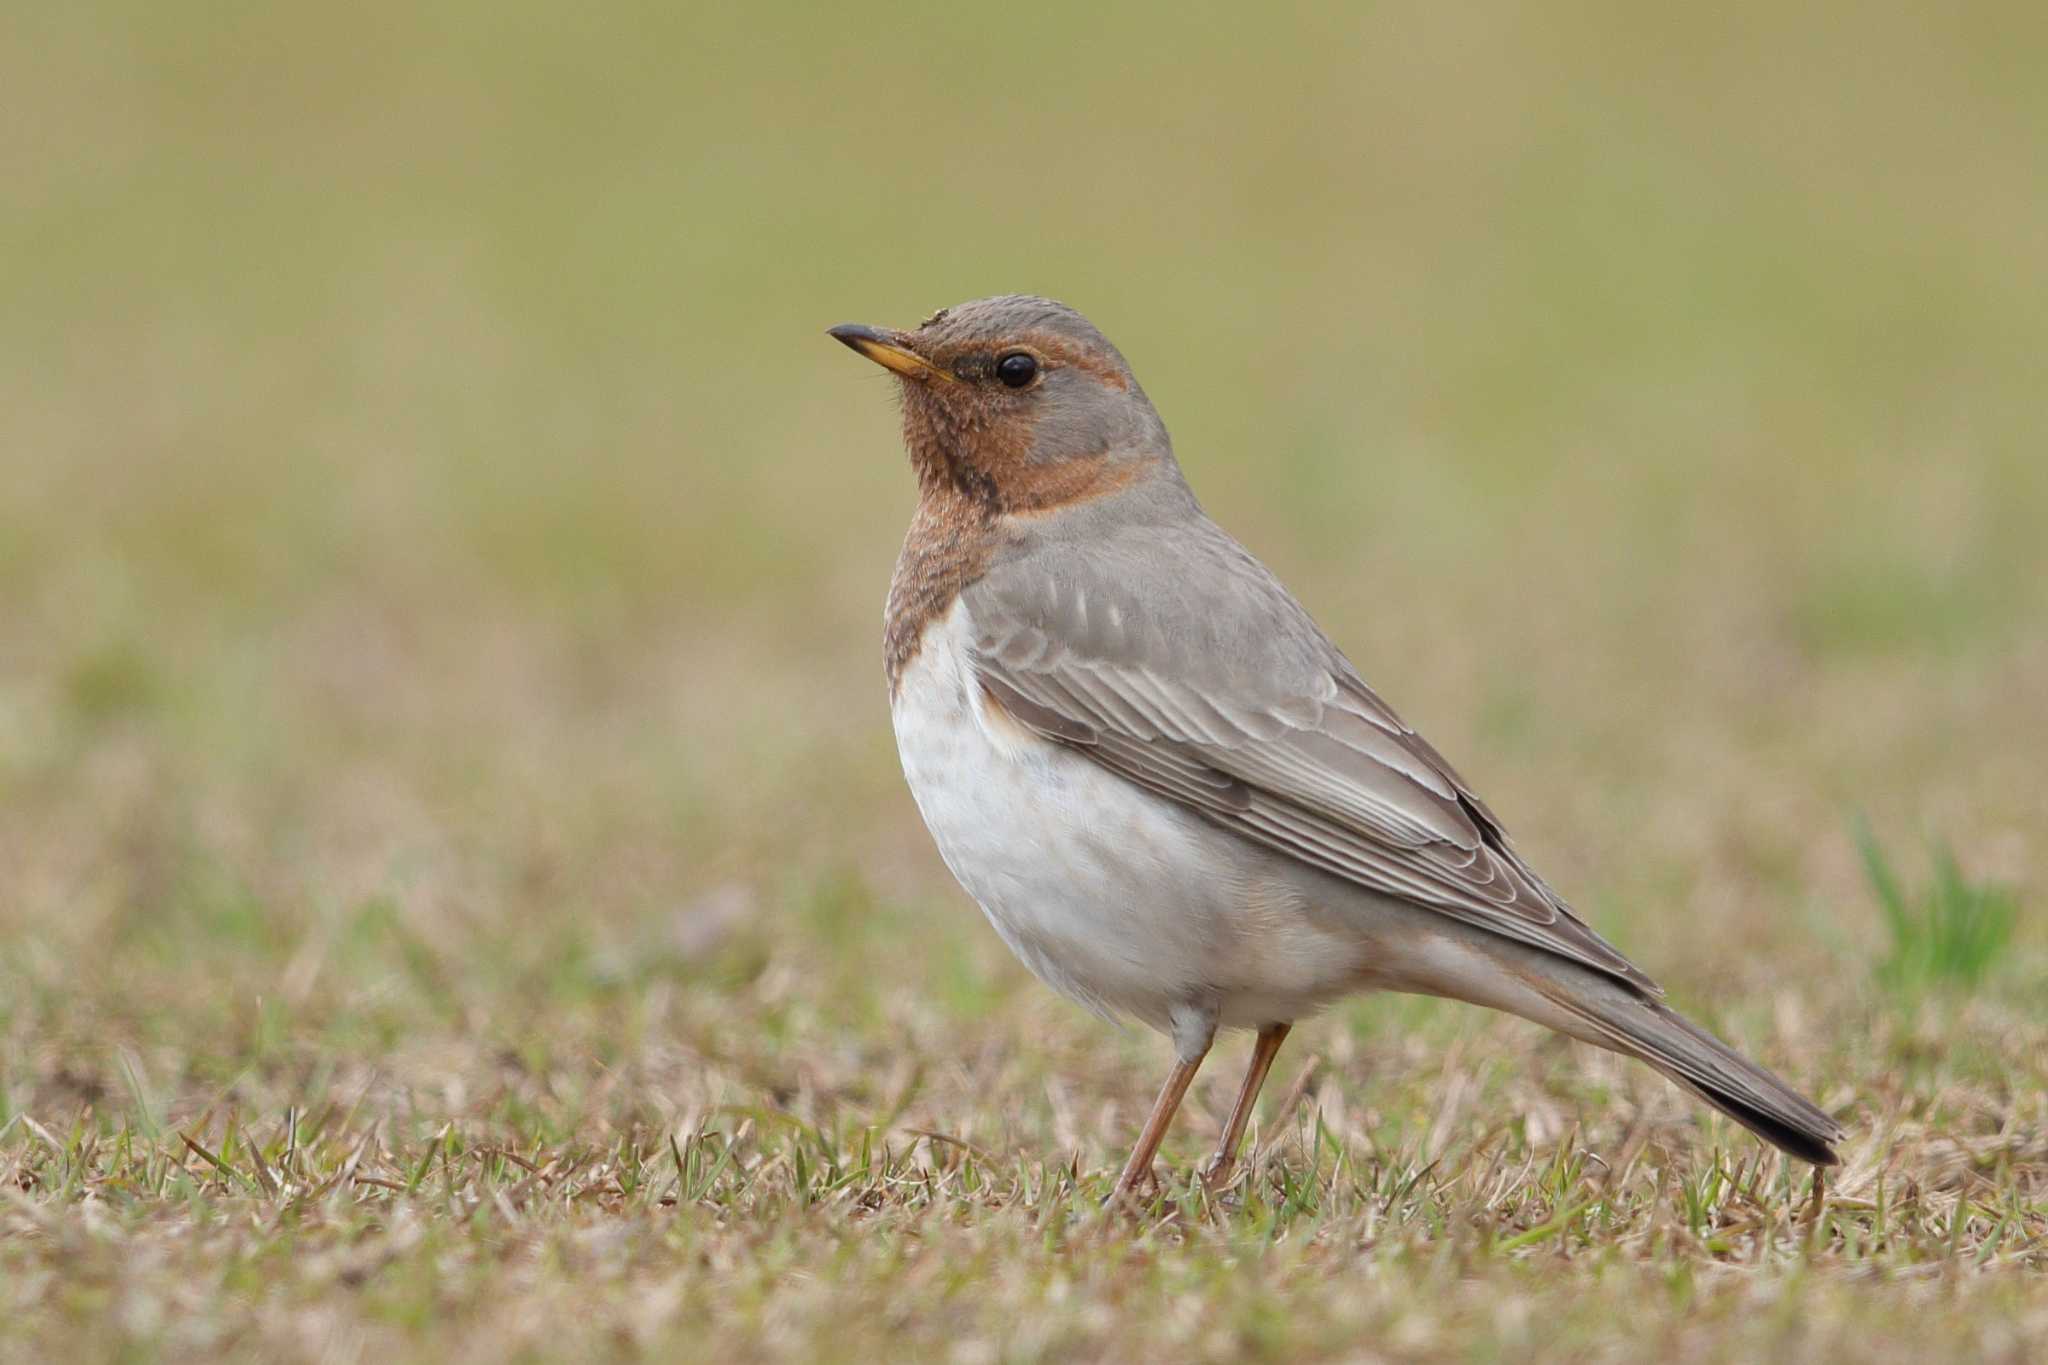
[(1651, 1031)]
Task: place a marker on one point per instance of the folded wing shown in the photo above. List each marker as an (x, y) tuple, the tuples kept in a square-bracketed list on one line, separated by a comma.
[(1188, 669)]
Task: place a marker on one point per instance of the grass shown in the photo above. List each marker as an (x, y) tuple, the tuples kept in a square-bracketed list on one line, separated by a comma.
[(1953, 934), (746, 1226), (457, 900)]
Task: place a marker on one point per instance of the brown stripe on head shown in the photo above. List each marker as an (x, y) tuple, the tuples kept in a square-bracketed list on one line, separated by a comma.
[(1108, 369)]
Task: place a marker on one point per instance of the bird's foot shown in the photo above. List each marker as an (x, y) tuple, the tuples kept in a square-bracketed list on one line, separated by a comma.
[(1132, 1189)]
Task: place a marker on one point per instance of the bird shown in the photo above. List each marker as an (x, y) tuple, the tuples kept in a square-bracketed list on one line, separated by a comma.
[(1174, 798)]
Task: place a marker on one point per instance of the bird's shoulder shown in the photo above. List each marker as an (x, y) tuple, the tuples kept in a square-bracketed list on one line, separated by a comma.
[(1154, 586)]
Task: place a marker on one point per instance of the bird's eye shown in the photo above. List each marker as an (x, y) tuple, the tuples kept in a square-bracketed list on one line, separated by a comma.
[(1017, 369)]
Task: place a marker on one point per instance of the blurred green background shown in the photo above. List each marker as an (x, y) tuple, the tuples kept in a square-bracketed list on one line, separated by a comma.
[(426, 481), (441, 555)]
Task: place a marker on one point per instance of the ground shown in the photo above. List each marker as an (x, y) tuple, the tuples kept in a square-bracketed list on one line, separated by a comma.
[(456, 896)]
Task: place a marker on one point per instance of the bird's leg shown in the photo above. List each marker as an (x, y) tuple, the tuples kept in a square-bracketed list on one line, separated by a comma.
[(1263, 1052), (1140, 1164), (1192, 1032)]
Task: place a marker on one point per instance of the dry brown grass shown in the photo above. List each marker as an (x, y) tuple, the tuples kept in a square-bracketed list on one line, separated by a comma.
[(707, 1190)]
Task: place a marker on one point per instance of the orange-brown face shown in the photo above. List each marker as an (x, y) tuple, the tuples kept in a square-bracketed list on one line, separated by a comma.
[(1016, 402)]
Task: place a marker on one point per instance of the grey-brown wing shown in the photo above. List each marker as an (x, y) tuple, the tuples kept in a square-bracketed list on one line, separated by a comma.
[(1184, 666)]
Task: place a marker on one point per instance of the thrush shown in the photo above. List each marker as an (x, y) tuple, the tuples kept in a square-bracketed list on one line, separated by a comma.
[(1173, 797)]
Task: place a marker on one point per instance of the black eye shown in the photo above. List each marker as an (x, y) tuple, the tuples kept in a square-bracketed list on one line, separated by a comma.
[(1017, 369)]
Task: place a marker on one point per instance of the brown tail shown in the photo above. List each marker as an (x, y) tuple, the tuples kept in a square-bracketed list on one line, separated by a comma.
[(1618, 1017)]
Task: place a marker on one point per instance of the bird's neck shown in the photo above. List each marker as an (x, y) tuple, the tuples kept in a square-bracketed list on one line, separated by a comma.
[(952, 538), (961, 524)]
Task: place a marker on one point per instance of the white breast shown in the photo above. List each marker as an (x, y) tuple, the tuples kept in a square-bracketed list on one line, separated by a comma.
[(1120, 899)]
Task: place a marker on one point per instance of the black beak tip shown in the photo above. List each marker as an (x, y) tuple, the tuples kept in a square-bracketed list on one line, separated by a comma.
[(853, 334)]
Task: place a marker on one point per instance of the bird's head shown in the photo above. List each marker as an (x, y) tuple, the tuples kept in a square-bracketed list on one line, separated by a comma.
[(1016, 401)]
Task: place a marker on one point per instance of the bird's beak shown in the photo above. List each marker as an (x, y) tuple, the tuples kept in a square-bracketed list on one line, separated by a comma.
[(882, 348)]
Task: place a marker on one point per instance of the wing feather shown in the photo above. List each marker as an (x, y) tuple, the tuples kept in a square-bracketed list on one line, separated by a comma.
[(1234, 704)]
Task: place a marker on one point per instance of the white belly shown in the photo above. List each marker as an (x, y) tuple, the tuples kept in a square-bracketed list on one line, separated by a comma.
[(1120, 899)]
